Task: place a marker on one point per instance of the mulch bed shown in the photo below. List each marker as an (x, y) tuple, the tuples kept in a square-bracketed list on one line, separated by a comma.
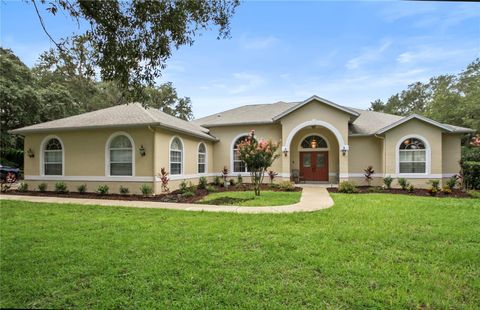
[(174, 196), (416, 192)]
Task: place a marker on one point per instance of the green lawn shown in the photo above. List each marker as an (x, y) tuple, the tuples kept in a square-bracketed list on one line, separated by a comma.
[(248, 199), (368, 251)]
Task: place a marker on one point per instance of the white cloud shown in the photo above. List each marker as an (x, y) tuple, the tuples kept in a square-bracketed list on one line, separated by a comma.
[(248, 81), (258, 43), (368, 55), (430, 53)]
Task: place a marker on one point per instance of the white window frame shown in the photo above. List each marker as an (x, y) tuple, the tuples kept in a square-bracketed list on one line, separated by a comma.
[(428, 156), (42, 155), (198, 158), (317, 149), (107, 154), (232, 159), (182, 152)]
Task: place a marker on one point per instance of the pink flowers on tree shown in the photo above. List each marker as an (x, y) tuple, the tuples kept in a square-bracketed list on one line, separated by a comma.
[(258, 155)]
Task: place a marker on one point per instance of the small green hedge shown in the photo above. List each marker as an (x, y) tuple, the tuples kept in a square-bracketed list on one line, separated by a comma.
[(471, 174)]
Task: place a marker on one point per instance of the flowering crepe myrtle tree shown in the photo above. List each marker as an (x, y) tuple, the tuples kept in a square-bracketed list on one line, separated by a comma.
[(258, 155)]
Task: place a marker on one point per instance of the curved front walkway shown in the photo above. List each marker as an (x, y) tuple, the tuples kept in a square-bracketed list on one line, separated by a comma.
[(313, 198)]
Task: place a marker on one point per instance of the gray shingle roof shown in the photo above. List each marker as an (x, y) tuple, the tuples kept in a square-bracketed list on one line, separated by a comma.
[(133, 114)]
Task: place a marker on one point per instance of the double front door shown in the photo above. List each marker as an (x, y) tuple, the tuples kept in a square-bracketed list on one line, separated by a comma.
[(314, 165)]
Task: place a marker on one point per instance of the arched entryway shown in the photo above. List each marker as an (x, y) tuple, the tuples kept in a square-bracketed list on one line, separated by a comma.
[(313, 158)]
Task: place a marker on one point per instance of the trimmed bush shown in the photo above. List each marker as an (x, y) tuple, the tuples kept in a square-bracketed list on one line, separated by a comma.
[(82, 189), (471, 174), (403, 183), (239, 179), (447, 190), (286, 186), (435, 184), (347, 187), (183, 187), (22, 187), (452, 182), (202, 183), (103, 189), (211, 189), (217, 180), (410, 188), (42, 187), (124, 190), (146, 190), (61, 188), (232, 182), (388, 182), (188, 194)]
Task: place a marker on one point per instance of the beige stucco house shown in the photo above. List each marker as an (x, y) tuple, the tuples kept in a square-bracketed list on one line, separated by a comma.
[(321, 142)]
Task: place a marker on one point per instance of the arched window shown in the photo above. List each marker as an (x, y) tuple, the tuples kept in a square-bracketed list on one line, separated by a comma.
[(202, 158), (238, 165), (412, 156), (314, 142), (53, 157), (121, 156), (176, 156)]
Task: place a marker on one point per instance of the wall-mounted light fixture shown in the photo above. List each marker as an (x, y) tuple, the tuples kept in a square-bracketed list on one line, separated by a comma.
[(30, 153), (285, 151), (344, 150), (142, 150)]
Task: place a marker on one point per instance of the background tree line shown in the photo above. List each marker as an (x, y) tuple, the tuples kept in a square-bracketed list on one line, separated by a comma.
[(62, 85)]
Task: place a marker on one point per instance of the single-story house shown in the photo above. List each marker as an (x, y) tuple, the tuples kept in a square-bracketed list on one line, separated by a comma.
[(321, 142)]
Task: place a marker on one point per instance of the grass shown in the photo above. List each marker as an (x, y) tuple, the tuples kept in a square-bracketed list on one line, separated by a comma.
[(248, 198), (368, 251)]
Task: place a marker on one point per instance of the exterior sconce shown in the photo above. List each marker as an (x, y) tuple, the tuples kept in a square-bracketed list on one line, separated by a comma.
[(285, 151), (344, 150), (142, 150), (30, 153)]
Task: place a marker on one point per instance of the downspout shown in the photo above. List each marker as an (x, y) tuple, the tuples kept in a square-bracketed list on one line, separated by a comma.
[(384, 154), (155, 170)]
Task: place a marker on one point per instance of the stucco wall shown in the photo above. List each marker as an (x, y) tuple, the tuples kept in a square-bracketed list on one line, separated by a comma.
[(364, 152), (451, 145), (222, 150)]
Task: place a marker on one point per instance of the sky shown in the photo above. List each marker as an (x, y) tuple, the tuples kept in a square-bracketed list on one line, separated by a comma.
[(350, 53)]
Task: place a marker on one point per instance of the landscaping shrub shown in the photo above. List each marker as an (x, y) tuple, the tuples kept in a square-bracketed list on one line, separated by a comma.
[(211, 189), (42, 187), (82, 189), (474, 194), (410, 188), (434, 184), (239, 179), (6, 183), (452, 182), (164, 178), (286, 186), (217, 180), (188, 194), (447, 190), (146, 190), (124, 190), (232, 182), (403, 183), (103, 189), (347, 187), (388, 182), (470, 154), (61, 188), (202, 183), (375, 189), (368, 175), (272, 174), (224, 176), (22, 187), (471, 174), (273, 185), (192, 187), (183, 187)]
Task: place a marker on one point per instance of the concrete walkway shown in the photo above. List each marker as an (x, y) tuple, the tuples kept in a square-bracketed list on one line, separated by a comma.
[(313, 198)]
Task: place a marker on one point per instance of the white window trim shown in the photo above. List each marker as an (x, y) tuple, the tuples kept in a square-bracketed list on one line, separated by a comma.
[(107, 154), (182, 167), (300, 148), (428, 156), (232, 145), (206, 157), (42, 155)]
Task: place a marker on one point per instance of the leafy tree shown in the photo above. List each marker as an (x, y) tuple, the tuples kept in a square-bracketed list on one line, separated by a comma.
[(130, 41)]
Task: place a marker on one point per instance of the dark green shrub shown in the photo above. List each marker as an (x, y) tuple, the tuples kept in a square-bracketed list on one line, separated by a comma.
[(232, 182), (470, 154), (42, 187), (192, 187), (103, 189), (22, 187), (146, 190), (471, 174), (347, 187), (388, 182), (435, 184), (410, 188), (61, 188), (447, 190), (239, 179), (274, 186), (183, 187), (217, 180), (375, 189), (452, 182), (474, 194), (202, 183), (286, 186), (82, 188), (124, 190), (188, 194), (403, 183)]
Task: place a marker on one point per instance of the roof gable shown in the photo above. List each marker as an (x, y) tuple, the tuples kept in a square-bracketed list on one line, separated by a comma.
[(418, 117), (319, 99)]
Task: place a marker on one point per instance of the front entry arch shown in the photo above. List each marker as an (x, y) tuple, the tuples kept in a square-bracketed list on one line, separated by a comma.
[(314, 122)]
